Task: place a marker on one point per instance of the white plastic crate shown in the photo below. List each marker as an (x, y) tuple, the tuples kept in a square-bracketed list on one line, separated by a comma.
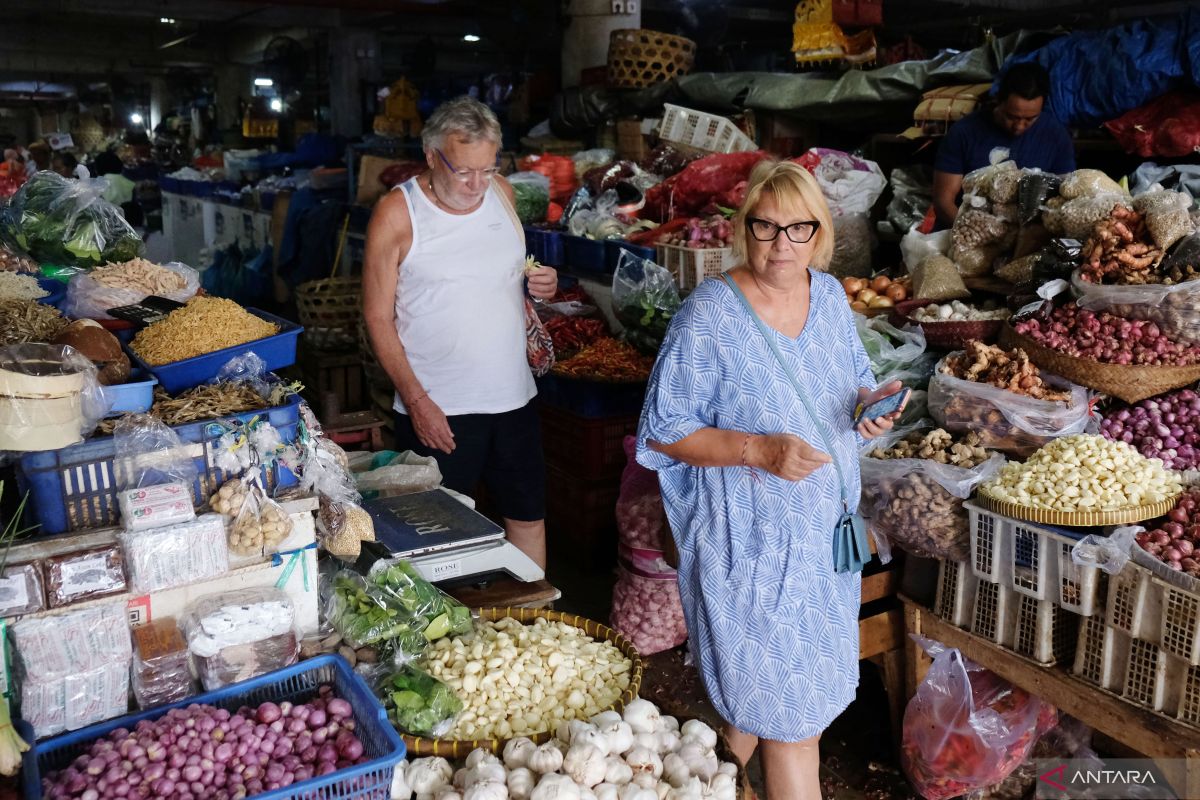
[(1189, 698), (1134, 603), (1180, 621), (1101, 654), (1154, 678), (955, 597), (992, 614), (1043, 630), (691, 265), (1033, 560), (702, 131)]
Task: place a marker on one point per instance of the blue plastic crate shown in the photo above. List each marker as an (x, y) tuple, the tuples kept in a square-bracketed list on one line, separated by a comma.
[(277, 351), (132, 397), (591, 398), (546, 246), (74, 488), (298, 683), (614, 248), (587, 255)]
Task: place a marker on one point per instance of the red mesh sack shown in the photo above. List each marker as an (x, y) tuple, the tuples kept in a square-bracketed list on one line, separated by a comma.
[(712, 179), (1168, 126)]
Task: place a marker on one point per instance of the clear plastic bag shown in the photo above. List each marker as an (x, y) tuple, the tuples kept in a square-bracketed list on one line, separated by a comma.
[(918, 503), (1070, 738), (154, 473), (1110, 553), (976, 261), (388, 473), (416, 702), (644, 298), (342, 527), (851, 185), (966, 728), (1175, 308), (996, 182), (1088, 183), (436, 613), (587, 160), (912, 195), (646, 608), (175, 555), (1168, 225), (160, 664), (1076, 218), (50, 397), (889, 348), (915, 246), (531, 195), (22, 590), (64, 221), (84, 575), (248, 368), (853, 241), (937, 278), (641, 517), (91, 294), (1004, 420), (365, 618), (260, 525), (238, 635)]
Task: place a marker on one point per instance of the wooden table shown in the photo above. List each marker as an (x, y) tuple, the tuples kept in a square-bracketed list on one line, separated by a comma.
[(1145, 732), (508, 593)]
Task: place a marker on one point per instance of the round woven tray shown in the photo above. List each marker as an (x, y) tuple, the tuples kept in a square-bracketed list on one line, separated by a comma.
[(1130, 383), (329, 310), (638, 58), (458, 748), (1077, 519), (946, 335)]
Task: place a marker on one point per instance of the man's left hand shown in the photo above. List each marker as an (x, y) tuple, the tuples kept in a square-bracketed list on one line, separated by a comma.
[(870, 428), (542, 282)]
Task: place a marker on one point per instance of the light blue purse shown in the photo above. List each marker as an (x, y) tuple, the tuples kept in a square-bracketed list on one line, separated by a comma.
[(851, 552)]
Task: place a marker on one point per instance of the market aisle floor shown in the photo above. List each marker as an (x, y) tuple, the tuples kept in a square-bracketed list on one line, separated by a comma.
[(856, 753)]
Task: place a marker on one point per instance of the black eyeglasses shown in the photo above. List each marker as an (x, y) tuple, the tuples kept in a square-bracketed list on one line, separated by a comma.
[(767, 231)]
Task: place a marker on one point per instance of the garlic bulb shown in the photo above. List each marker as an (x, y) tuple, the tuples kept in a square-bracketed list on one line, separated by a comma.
[(585, 764), (545, 759), (517, 752)]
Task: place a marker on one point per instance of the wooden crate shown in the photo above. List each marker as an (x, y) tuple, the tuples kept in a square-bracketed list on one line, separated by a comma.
[(336, 372)]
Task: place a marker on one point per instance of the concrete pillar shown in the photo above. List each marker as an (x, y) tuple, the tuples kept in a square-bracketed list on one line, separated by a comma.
[(234, 82), (585, 41), (355, 59), (158, 102)]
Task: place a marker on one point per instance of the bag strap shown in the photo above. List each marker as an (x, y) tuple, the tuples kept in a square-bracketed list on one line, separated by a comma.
[(826, 436), (512, 212)]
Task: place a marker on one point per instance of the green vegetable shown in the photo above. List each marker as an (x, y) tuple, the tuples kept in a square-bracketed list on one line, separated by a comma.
[(364, 619), (438, 613), (418, 703), (531, 202)]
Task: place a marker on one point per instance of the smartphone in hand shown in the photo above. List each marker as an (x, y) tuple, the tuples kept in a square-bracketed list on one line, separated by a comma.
[(882, 408)]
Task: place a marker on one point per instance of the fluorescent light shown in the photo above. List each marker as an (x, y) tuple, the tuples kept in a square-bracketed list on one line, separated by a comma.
[(263, 82), (276, 104), (135, 118), (167, 20), (470, 37)]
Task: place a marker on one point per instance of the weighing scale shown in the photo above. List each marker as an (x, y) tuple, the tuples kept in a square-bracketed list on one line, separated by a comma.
[(148, 310), (445, 540)]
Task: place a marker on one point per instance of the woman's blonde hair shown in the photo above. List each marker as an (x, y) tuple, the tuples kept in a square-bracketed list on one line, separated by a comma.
[(794, 189)]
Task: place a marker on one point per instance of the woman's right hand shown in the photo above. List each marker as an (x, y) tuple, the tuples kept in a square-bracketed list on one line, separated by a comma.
[(785, 455)]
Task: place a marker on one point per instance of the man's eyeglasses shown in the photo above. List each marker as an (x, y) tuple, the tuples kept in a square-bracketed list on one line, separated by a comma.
[(464, 175), (767, 231)]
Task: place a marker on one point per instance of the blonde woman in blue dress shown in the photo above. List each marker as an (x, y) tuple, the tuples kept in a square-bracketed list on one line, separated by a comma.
[(754, 485)]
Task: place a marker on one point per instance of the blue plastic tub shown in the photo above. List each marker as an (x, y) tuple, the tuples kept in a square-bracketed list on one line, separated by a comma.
[(298, 683), (586, 255), (615, 247), (134, 397), (74, 488), (57, 290), (546, 246), (277, 351)]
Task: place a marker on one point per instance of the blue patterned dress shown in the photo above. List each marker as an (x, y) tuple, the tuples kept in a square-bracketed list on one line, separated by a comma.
[(774, 629)]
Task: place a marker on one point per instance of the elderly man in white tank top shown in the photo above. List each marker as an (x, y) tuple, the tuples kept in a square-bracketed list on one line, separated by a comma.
[(443, 300)]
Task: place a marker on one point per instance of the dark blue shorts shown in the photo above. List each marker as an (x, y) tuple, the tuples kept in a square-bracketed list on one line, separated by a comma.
[(502, 450)]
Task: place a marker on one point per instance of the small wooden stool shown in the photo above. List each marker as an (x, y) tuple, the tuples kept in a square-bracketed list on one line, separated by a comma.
[(360, 430)]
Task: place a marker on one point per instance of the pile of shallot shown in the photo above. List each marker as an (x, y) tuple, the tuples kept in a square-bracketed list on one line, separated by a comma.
[(1167, 427), (206, 753), (1175, 539), (1105, 337)]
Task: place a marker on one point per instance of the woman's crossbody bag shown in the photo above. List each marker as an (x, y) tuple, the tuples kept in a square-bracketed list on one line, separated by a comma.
[(851, 552)]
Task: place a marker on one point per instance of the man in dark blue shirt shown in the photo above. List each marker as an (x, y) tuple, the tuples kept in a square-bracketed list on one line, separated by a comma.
[(1015, 123)]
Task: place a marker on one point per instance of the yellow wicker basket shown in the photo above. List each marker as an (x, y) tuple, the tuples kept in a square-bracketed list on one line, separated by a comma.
[(1077, 519), (459, 748), (329, 310), (639, 58)]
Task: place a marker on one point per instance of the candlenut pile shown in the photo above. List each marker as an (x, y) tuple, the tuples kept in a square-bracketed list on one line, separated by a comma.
[(1084, 473)]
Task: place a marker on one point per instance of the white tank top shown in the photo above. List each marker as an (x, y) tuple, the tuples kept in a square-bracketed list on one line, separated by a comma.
[(460, 306)]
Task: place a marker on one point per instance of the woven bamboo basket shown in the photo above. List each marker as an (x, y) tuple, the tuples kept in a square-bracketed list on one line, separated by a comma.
[(1077, 519), (459, 748), (1130, 383), (946, 335), (638, 58), (329, 310)]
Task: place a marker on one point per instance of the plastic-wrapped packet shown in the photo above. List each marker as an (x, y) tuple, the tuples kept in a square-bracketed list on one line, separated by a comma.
[(975, 261), (85, 575), (257, 523), (161, 673), (937, 278), (365, 618), (645, 604), (1076, 218), (853, 241), (89, 298), (1034, 189), (248, 368), (1006, 421), (50, 397), (645, 297), (342, 527), (416, 702), (1088, 183), (437, 614), (996, 182), (235, 636), (154, 471), (917, 503), (22, 590), (175, 555), (966, 728), (75, 701), (1168, 216)]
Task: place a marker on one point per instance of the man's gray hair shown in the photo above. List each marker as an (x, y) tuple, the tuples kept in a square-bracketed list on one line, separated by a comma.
[(463, 116)]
